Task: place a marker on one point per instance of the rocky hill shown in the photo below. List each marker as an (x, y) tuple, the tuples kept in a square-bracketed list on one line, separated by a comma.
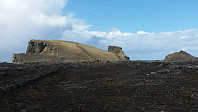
[(180, 56), (59, 51)]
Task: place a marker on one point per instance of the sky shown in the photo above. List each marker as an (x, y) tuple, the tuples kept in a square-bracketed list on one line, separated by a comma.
[(145, 29)]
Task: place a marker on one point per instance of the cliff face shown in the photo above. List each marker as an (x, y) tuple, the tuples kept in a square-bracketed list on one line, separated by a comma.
[(36, 47), (117, 50), (180, 56), (57, 51)]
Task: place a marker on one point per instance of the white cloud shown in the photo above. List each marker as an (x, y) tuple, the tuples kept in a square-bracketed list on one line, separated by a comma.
[(54, 20), (22, 20), (142, 33), (183, 37), (84, 35)]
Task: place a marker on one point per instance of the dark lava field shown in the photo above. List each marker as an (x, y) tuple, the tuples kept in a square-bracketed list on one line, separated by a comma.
[(133, 86)]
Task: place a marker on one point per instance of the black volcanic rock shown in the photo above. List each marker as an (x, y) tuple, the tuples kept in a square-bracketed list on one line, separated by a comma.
[(180, 56), (131, 86)]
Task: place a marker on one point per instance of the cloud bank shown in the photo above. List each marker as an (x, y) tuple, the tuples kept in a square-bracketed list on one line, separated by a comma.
[(22, 20), (142, 45)]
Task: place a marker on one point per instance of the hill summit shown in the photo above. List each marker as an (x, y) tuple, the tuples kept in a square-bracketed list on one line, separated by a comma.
[(180, 56), (61, 51)]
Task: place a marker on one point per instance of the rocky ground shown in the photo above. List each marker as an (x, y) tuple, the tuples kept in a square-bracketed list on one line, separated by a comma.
[(116, 87)]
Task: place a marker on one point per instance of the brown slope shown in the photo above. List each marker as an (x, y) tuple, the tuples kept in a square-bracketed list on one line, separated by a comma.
[(57, 50)]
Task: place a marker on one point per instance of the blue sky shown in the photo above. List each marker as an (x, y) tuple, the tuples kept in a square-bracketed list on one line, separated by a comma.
[(135, 15), (145, 29)]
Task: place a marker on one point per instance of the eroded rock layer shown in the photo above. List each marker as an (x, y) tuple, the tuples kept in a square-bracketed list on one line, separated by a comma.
[(58, 51)]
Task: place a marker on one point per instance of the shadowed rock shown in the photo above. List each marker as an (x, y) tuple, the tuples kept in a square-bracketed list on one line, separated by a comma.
[(62, 51), (180, 56)]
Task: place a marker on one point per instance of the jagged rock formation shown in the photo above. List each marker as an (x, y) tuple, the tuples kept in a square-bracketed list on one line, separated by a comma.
[(61, 51), (117, 50), (180, 56)]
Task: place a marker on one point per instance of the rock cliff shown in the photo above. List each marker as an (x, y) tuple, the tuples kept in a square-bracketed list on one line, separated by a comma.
[(180, 56), (61, 51), (117, 50)]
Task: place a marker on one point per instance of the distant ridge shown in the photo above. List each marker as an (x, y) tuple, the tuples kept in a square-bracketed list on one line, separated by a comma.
[(180, 56), (60, 51)]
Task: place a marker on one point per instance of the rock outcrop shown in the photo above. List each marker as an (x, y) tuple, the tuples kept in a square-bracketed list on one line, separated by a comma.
[(62, 51), (180, 56), (117, 50)]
